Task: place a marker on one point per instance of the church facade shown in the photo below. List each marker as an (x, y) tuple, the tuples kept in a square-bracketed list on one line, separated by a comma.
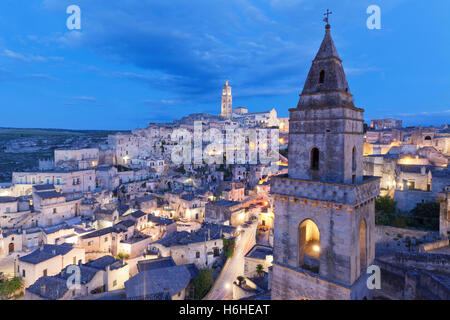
[(324, 228)]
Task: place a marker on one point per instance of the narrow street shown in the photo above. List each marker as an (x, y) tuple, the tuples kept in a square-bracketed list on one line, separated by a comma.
[(222, 288)]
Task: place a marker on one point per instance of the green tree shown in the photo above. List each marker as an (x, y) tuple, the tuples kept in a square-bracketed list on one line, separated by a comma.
[(385, 204), (240, 279), (123, 256), (9, 287), (426, 215), (259, 270), (365, 127), (228, 247), (203, 283)]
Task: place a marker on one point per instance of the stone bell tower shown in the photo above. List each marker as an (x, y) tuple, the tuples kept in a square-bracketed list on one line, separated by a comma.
[(227, 101), (324, 207)]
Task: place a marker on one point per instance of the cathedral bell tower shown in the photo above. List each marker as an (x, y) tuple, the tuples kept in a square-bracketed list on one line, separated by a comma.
[(227, 101), (324, 225)]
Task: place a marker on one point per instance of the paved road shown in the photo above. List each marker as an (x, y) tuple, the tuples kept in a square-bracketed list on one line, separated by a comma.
[(234, 267)]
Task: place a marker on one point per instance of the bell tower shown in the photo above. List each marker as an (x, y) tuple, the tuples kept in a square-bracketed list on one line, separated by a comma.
[(326, 126), (324, 228), (227, 101)]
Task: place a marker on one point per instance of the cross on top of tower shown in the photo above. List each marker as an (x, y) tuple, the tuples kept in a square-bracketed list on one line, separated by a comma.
[(327, 14)]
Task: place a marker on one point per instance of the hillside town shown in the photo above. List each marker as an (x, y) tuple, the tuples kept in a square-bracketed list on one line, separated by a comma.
[(237, 205)]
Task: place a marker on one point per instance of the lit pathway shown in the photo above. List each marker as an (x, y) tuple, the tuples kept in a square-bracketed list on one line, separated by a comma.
[(234, 267)]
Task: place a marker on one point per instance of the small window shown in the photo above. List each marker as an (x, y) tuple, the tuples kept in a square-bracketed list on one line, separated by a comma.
[(197, 254), (114, 283), (354, 159), (23, 273), (314, 159), (322, 76), (45, 272)]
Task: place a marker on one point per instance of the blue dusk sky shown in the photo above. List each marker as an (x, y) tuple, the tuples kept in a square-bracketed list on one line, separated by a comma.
[(139, 61)]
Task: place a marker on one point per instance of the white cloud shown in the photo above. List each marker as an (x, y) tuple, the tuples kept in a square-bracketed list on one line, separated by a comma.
[(29, 58)]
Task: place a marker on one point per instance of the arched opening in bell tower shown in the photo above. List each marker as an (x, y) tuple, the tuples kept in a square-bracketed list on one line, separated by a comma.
[(322, 76), (308, 244), (363, 245)]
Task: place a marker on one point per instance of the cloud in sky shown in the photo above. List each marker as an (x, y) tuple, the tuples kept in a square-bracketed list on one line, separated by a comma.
[(189, 48), (85, 98), (29, 58), (147, 59)]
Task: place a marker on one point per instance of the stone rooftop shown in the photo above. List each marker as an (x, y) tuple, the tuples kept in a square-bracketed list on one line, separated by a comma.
[(46, 252), (259, 252), (170, 280)]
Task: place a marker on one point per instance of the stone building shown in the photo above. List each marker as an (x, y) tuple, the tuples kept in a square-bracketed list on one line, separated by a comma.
[(225, 211), (97, 276), (444, 216), (324, 207), (201, 247), (64, 180), (77, 158), (258, 255), (47, 260), (386, 124)]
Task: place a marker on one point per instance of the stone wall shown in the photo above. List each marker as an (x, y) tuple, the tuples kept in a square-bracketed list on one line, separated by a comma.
[(327, 192), (407, 199), (433, 245), (390, 239), (297, 284), (416, 260), (402, 283), (339, 227), (334, 131)]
